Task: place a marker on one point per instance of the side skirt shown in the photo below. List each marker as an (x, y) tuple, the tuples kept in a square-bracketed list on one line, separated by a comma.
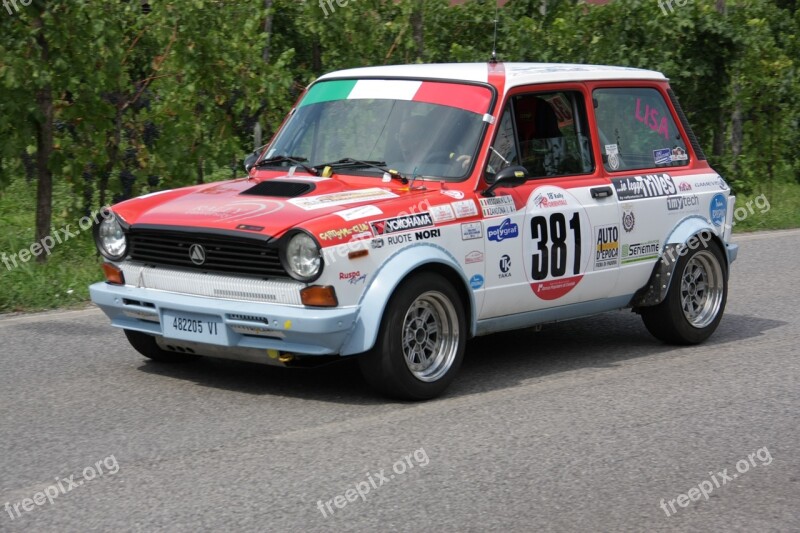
[(555, 314)]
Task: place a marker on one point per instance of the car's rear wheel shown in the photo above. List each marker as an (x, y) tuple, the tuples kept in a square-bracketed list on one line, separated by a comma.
[(695, 301), (146, 345), (421, 340)]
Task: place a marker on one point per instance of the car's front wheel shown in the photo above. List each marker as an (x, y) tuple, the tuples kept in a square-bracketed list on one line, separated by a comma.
[(421, 340), (146, 345), (695, 301)]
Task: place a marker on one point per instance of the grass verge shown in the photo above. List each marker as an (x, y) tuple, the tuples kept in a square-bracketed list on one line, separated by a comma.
[(73, 265)]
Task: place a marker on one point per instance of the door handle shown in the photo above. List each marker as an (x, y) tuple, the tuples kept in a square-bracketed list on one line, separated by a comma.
[(601, 192)]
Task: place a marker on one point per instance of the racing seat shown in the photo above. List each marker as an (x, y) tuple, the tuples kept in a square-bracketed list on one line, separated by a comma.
[(541, 142)]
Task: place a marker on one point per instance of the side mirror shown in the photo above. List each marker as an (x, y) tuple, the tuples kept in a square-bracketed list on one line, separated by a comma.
[(250, 161), (508, 177)]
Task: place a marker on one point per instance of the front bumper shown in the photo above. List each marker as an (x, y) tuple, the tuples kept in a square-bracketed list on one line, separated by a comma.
[(251, 331)]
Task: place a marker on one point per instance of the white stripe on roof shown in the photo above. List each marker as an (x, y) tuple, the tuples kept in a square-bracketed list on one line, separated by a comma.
[(397, 90)]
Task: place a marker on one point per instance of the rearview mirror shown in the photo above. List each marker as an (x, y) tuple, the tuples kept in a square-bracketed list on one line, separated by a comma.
[(513, 176)]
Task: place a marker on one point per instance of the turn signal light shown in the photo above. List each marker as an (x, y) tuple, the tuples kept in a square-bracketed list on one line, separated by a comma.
[(113, 274), (319, 296)]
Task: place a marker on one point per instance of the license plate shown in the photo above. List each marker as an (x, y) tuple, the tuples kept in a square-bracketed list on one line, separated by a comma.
[(208, 329)]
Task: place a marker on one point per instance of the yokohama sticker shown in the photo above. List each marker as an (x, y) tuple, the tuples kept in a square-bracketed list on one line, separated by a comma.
[(647, 186), (404, 223), (498, 206)]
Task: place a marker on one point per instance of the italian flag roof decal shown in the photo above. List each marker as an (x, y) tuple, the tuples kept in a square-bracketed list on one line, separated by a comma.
[(469, 97)]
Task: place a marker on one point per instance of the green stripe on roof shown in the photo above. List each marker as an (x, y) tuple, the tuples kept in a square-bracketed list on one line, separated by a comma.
[(326, 91)]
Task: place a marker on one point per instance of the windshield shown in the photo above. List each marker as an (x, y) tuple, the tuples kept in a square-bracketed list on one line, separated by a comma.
[(427, 129)]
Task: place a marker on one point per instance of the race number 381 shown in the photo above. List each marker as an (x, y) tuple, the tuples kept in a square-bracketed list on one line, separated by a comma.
[(555, 238)]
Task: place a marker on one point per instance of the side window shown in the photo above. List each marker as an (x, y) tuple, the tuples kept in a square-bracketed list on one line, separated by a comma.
[(637, 131), (550, 135)]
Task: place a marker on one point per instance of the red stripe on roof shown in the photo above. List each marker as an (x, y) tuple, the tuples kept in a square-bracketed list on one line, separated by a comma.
[(469, 97)]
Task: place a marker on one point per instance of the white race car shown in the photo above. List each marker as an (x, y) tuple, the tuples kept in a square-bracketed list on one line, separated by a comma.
[(401, 210)]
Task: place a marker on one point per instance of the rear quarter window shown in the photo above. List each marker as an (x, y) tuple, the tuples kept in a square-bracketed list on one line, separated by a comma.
[(637, 130)]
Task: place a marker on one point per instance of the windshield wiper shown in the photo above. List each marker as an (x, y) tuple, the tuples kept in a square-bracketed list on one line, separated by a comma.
[(297, 160), (350, 162)]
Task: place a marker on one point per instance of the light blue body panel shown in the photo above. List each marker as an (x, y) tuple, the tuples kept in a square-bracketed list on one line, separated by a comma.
[(302, 330), (375, 298), (552, 314), (694, 225)]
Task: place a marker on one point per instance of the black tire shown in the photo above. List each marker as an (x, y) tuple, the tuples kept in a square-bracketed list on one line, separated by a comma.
[(695, 300), (427, 310), (146, 345)]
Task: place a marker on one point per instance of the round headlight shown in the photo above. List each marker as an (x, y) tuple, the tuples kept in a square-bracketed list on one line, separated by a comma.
[(110, 239), (303, 259)]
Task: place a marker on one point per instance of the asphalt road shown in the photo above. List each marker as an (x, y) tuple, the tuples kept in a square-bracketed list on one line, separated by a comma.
[(584, 426)]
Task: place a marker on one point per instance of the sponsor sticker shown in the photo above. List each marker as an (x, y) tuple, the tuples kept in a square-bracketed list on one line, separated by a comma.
[(442, 213), (377, 243), (679, 154), (662, 156), (684, 186), (718, 209), (362, 211), (679, 203), (341, 233), (555, 288), (505, 266), (628, 220), (458, 195), (505, 230), (476, 281), (545, 200), (647, 186), (498, 206), (402, 223), (310, 203), (426, 234), (474, 256), (640, 251), (612, 154), (606, 251), (465, 209), (471, 230), (402, 238)]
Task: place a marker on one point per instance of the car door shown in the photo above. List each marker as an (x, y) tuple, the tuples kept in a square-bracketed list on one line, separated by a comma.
[(562, 246), (648, 163)]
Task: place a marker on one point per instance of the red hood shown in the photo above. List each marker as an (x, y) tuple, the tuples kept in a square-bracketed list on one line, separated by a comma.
[(223, 206)]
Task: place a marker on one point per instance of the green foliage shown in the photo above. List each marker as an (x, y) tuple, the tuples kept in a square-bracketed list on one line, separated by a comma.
[(148, 101)]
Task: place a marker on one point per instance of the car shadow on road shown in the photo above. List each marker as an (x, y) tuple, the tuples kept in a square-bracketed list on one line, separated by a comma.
[(492, 362)]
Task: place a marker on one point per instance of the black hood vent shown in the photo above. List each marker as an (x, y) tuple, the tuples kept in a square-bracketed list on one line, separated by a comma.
[(280, 189)]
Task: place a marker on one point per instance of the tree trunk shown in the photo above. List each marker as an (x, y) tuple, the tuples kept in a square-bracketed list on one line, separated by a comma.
[(417, 29), (267, 29), (736, 130), (44, 145)]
